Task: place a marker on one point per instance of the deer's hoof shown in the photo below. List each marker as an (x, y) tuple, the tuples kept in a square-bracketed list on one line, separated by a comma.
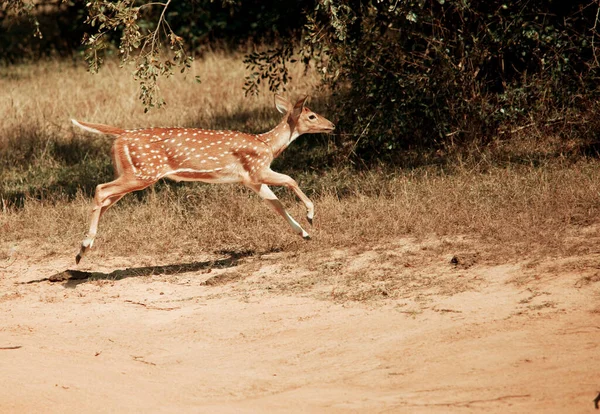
[(85, 246)]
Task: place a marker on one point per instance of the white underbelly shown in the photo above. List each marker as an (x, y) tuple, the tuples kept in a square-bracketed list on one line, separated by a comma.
[(205, 178)]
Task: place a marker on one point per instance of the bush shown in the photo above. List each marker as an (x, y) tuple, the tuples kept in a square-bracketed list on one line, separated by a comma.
[(439, 74)]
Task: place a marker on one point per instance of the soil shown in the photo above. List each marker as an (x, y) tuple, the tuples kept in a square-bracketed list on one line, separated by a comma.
[(405, 326)]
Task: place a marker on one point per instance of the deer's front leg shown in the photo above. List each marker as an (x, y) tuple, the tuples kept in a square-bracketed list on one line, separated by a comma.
[(271, 177), (271, 199)]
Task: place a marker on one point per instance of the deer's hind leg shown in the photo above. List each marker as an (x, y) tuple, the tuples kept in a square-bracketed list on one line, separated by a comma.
[(126, 181), (106, 195)]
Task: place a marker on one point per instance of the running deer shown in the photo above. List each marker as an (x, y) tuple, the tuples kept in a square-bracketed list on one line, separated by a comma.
[(141, 157)]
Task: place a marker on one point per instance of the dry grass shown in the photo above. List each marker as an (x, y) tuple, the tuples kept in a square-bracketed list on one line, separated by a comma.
[(50, 92), (514, 211), (512, 208)]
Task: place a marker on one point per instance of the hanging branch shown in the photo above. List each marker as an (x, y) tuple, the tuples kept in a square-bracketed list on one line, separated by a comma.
[(268, 65), (143, 49)]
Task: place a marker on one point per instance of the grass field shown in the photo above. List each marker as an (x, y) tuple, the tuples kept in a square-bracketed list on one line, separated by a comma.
[(49, 171)]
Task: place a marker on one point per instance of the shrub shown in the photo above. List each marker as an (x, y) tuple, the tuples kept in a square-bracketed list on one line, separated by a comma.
[(438, 74)]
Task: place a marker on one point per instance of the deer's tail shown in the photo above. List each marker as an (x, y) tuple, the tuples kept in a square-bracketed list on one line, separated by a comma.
[(98, 128)]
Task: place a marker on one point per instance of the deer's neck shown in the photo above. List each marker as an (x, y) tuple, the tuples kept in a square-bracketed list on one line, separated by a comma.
[(281, 136)]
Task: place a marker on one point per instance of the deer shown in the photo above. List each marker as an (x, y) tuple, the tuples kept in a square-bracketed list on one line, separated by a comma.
[(141, 157)]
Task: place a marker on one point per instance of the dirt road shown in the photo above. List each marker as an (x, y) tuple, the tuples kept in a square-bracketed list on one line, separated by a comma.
[(399, 327)]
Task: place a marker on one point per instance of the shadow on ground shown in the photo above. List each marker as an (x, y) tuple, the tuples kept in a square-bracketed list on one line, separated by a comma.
[(72, 278)]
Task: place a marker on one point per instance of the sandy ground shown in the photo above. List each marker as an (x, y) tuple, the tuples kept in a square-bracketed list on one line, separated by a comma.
[(391, 328)]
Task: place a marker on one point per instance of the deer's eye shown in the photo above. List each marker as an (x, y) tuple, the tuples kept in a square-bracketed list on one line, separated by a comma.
[(312, 117)]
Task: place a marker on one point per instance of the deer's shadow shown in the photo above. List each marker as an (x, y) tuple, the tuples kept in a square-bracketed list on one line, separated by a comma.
[(72, 278)]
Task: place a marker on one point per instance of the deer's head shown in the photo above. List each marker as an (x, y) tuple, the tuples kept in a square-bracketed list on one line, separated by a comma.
[(301, 119)]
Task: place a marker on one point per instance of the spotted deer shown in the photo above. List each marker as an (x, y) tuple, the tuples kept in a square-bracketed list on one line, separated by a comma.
[(141, 157)]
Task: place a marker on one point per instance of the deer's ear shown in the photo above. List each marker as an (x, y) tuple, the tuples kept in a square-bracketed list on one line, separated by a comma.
[(282, 104), (298, 107)]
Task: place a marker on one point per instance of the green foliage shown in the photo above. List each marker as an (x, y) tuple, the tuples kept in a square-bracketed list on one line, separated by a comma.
[(435, 73), (268, 65)]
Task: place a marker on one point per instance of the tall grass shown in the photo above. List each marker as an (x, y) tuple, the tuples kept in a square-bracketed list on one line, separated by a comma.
[(524, 204)]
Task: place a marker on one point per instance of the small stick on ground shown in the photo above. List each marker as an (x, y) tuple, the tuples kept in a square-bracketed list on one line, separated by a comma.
[(139, 359), (151, 307)]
